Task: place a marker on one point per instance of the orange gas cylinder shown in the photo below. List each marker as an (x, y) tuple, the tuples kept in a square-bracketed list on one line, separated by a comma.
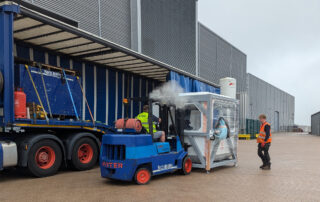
[(129, 123), (20, 104)]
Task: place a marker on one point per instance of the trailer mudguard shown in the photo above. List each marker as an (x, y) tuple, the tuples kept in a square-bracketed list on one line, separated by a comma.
[(25, 144), (70, 140)]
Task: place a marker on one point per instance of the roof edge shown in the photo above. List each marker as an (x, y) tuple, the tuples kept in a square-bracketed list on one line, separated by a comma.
[(210, 30), (249, 74)]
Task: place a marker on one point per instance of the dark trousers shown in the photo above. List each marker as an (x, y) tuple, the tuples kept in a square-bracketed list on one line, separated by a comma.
[(263, 153)]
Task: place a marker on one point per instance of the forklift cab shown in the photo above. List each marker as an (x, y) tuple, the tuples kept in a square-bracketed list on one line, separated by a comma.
[(172, 123)]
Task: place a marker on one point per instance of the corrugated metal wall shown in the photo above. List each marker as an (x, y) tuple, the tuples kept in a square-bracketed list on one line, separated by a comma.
[(266, 99), (168, 26), (168, 29), (104, 88), (219, 59), (243, 103), (116, 21), (109, 19), (315, 124)]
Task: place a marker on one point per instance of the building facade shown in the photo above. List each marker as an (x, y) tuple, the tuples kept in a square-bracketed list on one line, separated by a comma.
[(218, 59), (264, 98), (109, 19), (315, 124), (168, 32)]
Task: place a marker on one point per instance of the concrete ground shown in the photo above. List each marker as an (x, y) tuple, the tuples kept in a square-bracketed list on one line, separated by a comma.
[(295, 176)]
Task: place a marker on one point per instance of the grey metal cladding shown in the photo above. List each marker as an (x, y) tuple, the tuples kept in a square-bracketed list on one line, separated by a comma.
[(208, 56), (267, 99), (116, 21), (115, 16), (315, 124), (168, 29), (85, 12), (219, 59)]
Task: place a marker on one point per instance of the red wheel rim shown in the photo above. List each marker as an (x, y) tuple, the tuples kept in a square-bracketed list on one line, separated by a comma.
[(188, 165), (143, 176), (85, 153), (45, 157)]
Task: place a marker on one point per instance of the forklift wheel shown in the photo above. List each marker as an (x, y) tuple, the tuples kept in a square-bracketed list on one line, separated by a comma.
[(186, 166), (142, 176)]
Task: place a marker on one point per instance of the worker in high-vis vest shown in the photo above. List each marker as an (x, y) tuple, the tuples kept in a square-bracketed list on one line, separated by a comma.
[(264, 141), (144, 116)]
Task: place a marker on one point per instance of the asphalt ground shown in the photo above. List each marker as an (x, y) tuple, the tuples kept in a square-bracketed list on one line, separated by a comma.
[(295, 176)]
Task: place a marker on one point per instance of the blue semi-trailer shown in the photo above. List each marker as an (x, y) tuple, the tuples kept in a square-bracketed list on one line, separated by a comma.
[(40, 123), (46, 131), (41, 105)]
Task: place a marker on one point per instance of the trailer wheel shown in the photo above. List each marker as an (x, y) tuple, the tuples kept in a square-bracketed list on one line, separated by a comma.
[(142, 176), (84, 154), (186, 166), (45, 158)]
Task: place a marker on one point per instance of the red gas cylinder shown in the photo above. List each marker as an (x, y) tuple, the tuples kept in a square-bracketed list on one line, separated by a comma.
[(20, 104), (129, 123)]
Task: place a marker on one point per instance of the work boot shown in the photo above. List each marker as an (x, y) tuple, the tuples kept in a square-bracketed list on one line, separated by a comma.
[(267, 167)]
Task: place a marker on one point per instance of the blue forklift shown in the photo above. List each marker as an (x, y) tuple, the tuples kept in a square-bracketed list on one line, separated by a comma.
[(131, 154)]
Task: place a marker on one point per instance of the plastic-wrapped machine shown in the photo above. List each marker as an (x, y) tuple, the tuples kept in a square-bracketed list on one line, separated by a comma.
[(211, 129)]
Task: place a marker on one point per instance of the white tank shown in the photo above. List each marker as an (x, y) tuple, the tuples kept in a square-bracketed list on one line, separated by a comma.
[(229, 87)]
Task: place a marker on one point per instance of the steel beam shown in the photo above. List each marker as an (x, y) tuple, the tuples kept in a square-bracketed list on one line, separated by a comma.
[(99, 53), (7, 13)]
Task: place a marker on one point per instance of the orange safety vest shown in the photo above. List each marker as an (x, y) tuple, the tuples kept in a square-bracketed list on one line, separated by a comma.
[(262, 134)]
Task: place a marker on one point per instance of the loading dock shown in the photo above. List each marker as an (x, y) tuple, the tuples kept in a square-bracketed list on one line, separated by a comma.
[(108, 72)]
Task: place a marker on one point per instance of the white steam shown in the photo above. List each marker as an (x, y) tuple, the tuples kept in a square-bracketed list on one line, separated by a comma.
[(168, 94)]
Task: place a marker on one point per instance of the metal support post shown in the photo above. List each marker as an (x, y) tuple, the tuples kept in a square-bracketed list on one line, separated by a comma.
[(7, 13)]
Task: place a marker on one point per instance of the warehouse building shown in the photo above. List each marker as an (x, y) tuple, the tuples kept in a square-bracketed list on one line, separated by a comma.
[(315, 124), (169, 32), (219, 59), (264, 98)]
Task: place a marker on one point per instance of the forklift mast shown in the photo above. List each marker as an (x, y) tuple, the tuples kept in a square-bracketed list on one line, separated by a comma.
[(180, 126), (177, 123)]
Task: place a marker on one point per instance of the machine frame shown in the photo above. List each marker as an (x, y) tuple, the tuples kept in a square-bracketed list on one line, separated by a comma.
[(207, 144)]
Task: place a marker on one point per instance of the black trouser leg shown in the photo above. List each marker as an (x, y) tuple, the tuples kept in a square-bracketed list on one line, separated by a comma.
[(261, 155), (266, 153)]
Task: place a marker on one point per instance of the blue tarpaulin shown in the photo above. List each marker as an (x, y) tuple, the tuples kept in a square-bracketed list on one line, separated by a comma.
[(1, 158), (190, 84)]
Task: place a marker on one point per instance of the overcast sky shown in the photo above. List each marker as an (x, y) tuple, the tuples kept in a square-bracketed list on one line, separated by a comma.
[(281, 39)]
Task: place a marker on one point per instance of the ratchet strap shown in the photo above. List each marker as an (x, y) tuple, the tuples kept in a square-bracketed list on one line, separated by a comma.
[(37, 93), (70, 93), (45, 90), (85, 98)]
